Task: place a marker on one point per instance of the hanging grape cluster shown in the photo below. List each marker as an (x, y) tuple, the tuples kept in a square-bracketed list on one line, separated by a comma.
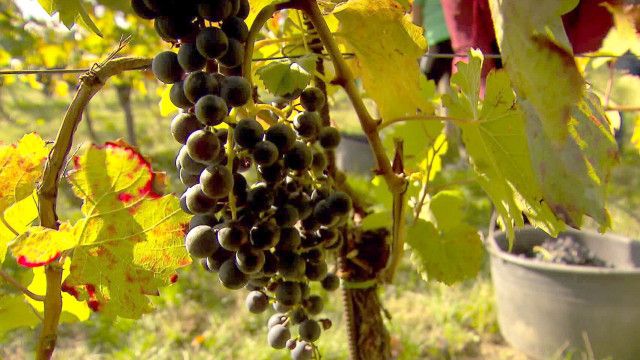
[(266, 213)]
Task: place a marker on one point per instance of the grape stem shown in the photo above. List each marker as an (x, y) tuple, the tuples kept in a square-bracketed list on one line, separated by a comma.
[(15, 283), (279, 112), (230, 158), (90, 84)]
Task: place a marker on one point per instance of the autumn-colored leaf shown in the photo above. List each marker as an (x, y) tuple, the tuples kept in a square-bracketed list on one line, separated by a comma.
[(72, 309), (15, 221), (39, 245), (129, 242), (21, 165)]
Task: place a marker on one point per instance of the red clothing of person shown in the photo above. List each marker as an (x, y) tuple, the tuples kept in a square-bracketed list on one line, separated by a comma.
[(470, 26)]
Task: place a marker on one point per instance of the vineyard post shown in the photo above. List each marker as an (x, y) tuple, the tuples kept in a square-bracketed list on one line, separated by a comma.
[(90, 84)]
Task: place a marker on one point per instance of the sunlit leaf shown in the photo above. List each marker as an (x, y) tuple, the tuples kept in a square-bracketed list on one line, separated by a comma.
[(39, 245), (635, 137), (386, 45), (166, 106), (71, 12), (129, 242), (21, 166), (16, 219), (72, 309)]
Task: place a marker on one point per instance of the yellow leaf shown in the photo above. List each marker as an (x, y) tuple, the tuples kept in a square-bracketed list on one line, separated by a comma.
[(21, 167), (16, 219), (61, 88), (166, 106), (387, 47), (623, 36), (635, 138), (39, 245), (72, 309)]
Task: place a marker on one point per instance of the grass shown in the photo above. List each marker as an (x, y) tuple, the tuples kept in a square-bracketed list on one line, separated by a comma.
[(197, 319)]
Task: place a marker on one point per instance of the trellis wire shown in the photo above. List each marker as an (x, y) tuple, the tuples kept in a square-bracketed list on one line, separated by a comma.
[(346, 55)]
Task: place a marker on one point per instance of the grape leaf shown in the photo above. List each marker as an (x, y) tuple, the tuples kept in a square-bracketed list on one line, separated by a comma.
[(377, 220), (448, 249), (387, 43), (21, 166), (635, 137), (538, 57), (17, 218), (573, 175), (166, 106), (72, 309), (284, 77), (39, 246), (417, 138), (71, 12), (130, 241), (493, 131), (256, 6), (622, 37), (15, 312)]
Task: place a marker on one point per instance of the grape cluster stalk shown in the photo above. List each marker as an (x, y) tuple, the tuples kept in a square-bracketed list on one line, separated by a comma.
[(266, 212)]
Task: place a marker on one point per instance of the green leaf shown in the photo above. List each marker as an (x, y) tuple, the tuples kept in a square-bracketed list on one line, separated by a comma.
[(284, 77), (450, 252), (538, 57), (494, 134), (16, 219), (15, 313), (387, 45), (71, 12), (377, 220), (21, 166), (573, 175)]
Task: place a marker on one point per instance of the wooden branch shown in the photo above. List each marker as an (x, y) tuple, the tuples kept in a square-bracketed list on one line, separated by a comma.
[(90, 83), (15, 283)]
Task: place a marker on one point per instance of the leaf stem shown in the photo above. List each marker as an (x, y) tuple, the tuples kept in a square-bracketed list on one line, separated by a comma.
[(279, 112), (90, 83), (384, 124), (8, 278), (7, 225)]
